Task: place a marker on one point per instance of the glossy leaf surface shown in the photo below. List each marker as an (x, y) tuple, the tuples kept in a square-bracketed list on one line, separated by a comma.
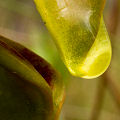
[(80, 34), (30, 89)]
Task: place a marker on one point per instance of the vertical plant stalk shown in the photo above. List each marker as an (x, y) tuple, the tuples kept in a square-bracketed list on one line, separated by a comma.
[(112, 25), (107, 80), (113, 88), (113, 17), (98, 100)]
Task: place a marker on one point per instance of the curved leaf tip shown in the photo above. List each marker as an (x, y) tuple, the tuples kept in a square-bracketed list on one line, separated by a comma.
[(80, 34)]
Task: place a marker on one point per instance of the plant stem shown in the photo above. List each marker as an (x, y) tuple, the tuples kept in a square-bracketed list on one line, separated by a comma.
[(98, 100), (114, 89), (106, 79)]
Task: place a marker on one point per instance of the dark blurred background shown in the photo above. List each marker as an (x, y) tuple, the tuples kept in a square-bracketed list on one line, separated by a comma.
[(96, 99)]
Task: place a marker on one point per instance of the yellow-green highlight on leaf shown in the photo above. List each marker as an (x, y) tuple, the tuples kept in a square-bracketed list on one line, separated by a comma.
[(79, 33)]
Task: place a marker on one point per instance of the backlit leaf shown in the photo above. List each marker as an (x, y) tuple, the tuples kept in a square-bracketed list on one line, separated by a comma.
[(79, 33)]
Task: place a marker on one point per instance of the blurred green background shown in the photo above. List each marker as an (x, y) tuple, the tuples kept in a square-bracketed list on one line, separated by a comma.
[(95, 99)]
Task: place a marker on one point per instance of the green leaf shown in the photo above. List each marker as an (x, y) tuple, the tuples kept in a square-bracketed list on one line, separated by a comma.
[(80, 34), (30, 88)]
